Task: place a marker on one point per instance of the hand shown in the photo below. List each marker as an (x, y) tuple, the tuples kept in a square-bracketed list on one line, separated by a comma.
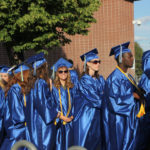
[(136, 96), (66, 119), (50, 83)]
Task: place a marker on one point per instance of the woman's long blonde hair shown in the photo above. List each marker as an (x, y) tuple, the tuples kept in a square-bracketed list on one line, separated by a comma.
[(68, 84)]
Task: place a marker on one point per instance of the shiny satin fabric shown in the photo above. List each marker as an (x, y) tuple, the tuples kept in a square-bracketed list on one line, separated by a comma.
[(64, 138), (121, 111), (14, 119), (74, 77), (2, 102), (87, 122), (144, 125), (40, 114)]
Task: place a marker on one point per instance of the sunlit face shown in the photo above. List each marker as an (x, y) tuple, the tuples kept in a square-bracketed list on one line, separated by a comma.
[(94, 64), (62, 73), (4, 76), (128, 59)]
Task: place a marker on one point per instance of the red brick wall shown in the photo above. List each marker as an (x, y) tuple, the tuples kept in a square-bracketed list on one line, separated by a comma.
[(114, 26)]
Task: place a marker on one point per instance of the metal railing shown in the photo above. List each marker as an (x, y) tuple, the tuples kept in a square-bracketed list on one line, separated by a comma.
[(23, 143)]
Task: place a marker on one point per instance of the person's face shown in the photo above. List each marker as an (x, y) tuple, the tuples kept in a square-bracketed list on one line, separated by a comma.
[(4, 76), (62, 73), (94, 64), (127, 60)]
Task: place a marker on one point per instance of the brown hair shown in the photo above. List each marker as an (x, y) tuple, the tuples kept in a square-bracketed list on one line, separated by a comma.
[(96, 74), (57, 82), (41, 72), (17, 79)]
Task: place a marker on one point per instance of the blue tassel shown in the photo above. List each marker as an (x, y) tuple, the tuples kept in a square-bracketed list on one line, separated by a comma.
[(120, 56), (21, 74), (53, 73), (84, 63), (34, 73)]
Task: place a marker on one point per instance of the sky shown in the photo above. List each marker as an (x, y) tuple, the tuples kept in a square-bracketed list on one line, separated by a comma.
[(142, 32)]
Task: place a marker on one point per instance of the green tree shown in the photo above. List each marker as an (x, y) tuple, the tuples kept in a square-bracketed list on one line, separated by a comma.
[(138, 60), (42, 24)]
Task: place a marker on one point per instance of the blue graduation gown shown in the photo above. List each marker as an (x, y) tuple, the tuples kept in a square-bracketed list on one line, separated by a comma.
[(122, 110), (74, 77), (144, 124), (2, 102), (64, 138), (40, 114), (87, 122), (14, 119)]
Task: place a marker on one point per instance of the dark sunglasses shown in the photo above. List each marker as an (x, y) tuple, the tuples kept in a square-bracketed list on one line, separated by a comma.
[(96, 61), (60, 71)]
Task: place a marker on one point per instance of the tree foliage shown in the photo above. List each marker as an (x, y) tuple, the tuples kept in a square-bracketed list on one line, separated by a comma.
[(42, 24), (138, 59)]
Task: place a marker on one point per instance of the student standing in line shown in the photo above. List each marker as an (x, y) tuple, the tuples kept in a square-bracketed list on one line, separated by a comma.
[(63, 94), (144, 125), (90, 92), (5, 77), (14, 119), (2, 102), (42, 109), (123, 110)]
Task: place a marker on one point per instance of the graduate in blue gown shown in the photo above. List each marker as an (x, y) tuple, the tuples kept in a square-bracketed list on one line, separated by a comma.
[(87, 122), (122, 107), (144, 125), (63, 93), (2, 102), (5, 76), (14, 119), (42, 110)]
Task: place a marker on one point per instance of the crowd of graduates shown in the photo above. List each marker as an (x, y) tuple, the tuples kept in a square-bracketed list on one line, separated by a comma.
[(57, 112)]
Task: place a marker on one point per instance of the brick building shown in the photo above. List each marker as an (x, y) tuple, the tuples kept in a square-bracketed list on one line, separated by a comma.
[(114, 26)]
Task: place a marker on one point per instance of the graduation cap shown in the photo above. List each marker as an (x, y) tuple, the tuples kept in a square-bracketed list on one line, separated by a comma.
[(60, 63), (92, 54), (146, 63), (19, 68), (119, 50), (4, 69), (36, 61)]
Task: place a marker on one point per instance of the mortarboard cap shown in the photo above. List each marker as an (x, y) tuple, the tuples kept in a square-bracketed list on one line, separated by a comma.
[(60, 63), (146, 63), (36, 61), (92, 54), (119, 50), (4, 69), (19, 68)]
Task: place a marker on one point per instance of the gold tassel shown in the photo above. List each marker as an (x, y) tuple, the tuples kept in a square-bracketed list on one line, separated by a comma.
[(141, 111)]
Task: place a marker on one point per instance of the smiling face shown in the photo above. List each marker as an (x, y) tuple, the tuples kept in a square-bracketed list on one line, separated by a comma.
[(94, 64), (62, 73)]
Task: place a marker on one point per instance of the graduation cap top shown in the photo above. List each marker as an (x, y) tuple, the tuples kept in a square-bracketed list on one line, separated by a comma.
[(61, 63), (92, 54), (120, 49), (19, 68), (146, 62), (36, 60), (4, 69)]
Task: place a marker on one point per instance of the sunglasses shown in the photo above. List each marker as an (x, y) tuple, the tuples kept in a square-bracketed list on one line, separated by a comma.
[(61, 71), (96, 61)]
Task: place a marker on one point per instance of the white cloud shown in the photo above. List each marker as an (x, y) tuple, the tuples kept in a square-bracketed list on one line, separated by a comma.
[(140, 38)]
